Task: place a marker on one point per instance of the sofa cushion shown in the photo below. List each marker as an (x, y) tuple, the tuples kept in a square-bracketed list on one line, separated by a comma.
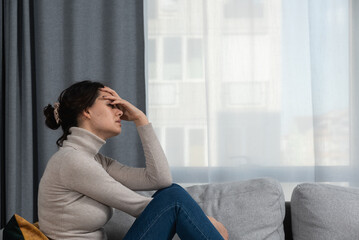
[(252, 209), (19, 228), (325, 212)]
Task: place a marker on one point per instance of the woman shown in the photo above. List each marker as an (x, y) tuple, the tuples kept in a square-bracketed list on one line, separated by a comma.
[(80, 186)]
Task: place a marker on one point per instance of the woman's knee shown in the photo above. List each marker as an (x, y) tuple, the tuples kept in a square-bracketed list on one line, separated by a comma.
[(175, 185), (173, 192), (176, 189)]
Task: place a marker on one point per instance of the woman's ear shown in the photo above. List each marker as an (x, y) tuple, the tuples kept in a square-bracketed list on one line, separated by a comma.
[(86, 114), (82, 117)]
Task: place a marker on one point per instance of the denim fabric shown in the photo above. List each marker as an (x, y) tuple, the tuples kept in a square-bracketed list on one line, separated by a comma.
[(171, 211)]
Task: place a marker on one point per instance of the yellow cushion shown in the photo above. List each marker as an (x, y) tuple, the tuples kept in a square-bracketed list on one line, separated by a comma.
[(20, 229)]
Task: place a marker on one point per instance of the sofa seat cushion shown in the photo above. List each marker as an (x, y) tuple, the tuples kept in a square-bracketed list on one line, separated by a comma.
[(325, 212), (252, 209)]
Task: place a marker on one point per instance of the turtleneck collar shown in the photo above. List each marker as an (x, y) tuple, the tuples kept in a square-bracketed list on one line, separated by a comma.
[(84, 140)]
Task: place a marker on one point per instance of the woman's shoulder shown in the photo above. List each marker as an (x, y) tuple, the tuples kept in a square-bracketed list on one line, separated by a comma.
[(61, 161), (67, 153), (74, 162), (70, 157)]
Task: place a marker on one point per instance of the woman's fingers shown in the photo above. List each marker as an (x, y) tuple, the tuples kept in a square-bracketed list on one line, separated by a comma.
[(130, 112), (116, 100), (107, 89), (112, 98), (110, 91)]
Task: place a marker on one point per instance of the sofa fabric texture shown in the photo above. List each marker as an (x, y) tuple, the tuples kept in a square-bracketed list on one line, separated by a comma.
[(252, 209), (325, 212)]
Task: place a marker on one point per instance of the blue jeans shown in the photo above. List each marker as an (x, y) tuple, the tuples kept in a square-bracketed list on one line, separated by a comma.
[(172, 210)]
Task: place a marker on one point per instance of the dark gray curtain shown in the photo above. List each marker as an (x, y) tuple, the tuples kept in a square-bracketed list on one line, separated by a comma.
[(47, 46), (19, 154)]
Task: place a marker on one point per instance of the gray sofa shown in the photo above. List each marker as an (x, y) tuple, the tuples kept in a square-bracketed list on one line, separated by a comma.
[(256, 209), (252, 209)]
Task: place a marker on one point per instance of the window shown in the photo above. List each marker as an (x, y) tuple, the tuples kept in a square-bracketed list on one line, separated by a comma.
[(194, 58), (172, 58), (262, 89)]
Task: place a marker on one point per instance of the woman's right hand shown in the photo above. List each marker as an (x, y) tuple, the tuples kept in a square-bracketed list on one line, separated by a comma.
[(130, 112), (220, 228)]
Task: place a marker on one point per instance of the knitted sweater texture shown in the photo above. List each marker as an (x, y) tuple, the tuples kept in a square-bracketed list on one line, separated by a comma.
[(80, 186)]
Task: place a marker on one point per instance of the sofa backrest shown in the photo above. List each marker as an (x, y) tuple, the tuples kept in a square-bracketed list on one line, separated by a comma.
[(252, 209)]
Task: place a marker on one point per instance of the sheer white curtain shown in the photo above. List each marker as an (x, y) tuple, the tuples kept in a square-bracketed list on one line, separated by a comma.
[(240, 89)]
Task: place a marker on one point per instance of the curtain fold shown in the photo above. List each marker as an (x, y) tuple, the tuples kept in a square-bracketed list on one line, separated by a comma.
[(47, 46), (19, 150), (2, 120)]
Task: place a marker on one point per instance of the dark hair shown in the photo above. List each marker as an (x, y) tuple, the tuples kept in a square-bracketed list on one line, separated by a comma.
[(73, 101)]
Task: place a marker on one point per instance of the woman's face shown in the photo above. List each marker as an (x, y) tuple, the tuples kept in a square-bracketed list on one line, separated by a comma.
[(103, 119)]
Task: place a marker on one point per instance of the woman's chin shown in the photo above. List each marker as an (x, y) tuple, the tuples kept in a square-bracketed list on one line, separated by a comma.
[(118, 131), (115, 133)]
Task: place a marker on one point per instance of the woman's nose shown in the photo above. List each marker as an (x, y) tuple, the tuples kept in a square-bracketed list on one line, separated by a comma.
[(119, 112)]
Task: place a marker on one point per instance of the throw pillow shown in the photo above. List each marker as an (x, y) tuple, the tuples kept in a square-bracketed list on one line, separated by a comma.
[(325, 212), (252, 209), (19, 229)]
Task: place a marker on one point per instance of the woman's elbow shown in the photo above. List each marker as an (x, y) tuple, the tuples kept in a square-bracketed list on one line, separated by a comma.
[(168, 182), (164, 182)]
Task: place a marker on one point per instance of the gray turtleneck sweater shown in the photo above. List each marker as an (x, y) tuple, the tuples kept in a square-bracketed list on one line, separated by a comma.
[(80, 186)]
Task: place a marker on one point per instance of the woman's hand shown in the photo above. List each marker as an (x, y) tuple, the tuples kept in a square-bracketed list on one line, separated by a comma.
[(220, 228), (130, 112)]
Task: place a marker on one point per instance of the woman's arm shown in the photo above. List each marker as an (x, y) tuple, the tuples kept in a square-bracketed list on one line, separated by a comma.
[(80, 173), (157, 173)]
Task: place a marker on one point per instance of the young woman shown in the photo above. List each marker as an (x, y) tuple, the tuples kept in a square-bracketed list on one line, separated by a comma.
[(80, 186)]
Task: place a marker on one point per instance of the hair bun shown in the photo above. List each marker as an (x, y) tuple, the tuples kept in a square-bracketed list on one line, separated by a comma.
[(50, 117)]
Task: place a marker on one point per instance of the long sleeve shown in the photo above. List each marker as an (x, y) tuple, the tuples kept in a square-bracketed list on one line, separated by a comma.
[(155, 175), (90, 179)]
